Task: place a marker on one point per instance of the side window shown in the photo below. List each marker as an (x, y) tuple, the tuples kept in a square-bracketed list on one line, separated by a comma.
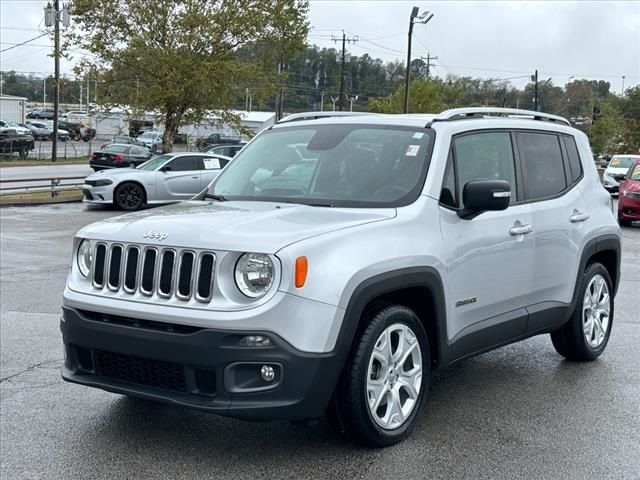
[(575, 166), (211, 163), (541, 158), (484, 156), (183, 164)]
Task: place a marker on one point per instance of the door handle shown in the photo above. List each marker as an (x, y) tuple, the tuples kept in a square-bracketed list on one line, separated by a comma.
[(521, 230), (578, 217), (195, 177)]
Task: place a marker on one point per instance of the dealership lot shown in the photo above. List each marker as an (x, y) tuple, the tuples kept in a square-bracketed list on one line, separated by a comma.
[(518, 412)]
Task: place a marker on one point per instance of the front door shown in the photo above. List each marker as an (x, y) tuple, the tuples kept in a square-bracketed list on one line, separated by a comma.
[(180, 178), (489, 258)]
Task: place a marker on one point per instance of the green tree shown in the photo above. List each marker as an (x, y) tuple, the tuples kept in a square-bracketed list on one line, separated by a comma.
[(179, 57), (612, 133)]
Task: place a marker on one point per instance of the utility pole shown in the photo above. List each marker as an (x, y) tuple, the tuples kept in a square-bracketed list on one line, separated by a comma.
[(429, 64), (623, 77), (534, 79), (56, 90), (414, 18), (345, 40), (53, 15), (322, 101)]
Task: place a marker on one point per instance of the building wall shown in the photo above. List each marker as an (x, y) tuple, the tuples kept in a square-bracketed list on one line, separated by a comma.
[(12, 109)]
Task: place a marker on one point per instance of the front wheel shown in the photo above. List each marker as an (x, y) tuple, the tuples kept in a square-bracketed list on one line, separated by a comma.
[(385, 382), (585, 336), (129, 196)]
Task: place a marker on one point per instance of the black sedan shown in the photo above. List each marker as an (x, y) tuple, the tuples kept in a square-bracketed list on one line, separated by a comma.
[(119, 156)]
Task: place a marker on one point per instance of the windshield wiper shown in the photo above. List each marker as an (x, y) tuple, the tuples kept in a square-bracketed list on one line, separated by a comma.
[(220, 198)]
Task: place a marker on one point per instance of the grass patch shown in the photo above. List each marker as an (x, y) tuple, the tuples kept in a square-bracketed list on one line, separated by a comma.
[(40, 197), (14, 161)]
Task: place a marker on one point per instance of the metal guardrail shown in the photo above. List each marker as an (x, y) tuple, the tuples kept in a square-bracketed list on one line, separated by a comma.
[(55, 185)]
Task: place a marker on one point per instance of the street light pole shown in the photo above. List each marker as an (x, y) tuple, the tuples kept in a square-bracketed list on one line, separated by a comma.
[(414, 18)]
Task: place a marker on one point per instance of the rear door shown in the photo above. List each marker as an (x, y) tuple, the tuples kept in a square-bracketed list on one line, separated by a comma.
[(489, 259), (552, 172), (180, 178)]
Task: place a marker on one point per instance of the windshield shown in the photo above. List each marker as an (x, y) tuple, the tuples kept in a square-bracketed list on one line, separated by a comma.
[(621, 162), (154, 163), (148, 135), (333, 165), (635, 173)]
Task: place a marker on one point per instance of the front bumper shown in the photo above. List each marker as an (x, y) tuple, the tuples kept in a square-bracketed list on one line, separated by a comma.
[(196, 367), (629, 208), (99, 195)]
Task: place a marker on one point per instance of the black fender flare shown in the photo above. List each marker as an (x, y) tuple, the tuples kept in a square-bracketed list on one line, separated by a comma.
[(594, 246), (386, 283)]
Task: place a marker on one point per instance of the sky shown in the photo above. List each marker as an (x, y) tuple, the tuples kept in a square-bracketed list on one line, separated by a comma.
[(489, 39)]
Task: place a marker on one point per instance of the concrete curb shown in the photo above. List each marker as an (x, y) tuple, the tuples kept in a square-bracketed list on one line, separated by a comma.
[(24, 202)]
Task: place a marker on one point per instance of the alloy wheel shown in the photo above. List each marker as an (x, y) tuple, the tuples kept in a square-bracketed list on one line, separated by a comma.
[(130, 196), (394, 376), (596, 311)]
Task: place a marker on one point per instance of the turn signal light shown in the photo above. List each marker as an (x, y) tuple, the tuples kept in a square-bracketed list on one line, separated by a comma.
[(301, 271)]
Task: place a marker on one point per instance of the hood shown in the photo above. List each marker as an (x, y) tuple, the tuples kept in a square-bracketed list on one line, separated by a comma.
[(116, 172), (263, 227), (616, 170)]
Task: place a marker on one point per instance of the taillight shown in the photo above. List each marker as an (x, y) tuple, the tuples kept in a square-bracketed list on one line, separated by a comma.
[(118, 158)]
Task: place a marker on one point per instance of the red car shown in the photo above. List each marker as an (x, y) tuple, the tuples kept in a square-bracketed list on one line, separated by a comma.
[(629, 199)]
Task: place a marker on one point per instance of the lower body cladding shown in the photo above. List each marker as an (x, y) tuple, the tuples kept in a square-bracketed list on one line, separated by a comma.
[(197, 367)]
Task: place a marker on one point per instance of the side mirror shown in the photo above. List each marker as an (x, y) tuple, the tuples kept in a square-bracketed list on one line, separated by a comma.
[(166, 168), (484, 195)]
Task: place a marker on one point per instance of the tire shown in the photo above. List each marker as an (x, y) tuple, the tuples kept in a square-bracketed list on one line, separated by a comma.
[(23, 152), (623, 222), (129, 196), (571, 340), (367, 381)]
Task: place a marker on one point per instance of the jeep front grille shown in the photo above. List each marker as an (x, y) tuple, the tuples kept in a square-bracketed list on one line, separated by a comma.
[(166, 272)]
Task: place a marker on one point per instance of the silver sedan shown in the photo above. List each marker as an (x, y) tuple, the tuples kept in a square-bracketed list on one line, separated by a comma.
[(163, 179)]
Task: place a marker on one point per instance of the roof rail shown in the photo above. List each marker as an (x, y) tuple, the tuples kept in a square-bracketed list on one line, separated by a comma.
[(316, 115), (483, 112)]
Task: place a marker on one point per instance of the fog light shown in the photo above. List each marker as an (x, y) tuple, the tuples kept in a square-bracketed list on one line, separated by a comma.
[(255, 341), (267, 373)]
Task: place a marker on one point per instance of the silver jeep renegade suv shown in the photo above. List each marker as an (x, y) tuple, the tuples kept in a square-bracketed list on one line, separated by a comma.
[(337, 262)]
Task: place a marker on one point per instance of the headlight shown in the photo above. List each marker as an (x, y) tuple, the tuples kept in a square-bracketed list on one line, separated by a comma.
[(634, 195), (254, 274), (102, 182), (84, 257)]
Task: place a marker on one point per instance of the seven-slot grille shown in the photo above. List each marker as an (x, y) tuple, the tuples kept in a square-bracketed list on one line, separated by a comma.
[(167, 272)]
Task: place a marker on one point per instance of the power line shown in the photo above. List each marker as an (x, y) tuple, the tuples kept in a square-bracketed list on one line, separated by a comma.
[(23, 43)]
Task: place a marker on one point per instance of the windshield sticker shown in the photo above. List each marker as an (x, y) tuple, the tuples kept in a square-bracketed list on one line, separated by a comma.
[(614, 162), (418, 135), (412, 150)]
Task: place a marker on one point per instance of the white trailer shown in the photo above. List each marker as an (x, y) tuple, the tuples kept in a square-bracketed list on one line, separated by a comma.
[(12, 109)]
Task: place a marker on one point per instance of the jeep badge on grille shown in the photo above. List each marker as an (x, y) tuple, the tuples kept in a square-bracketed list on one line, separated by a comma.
[(156, 235)]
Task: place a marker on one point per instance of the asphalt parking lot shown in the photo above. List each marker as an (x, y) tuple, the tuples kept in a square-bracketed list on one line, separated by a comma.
[(518, 412)]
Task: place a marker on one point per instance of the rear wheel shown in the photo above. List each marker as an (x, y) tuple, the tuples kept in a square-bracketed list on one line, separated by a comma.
[(385, 382), (129, 196), (585, 336)]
